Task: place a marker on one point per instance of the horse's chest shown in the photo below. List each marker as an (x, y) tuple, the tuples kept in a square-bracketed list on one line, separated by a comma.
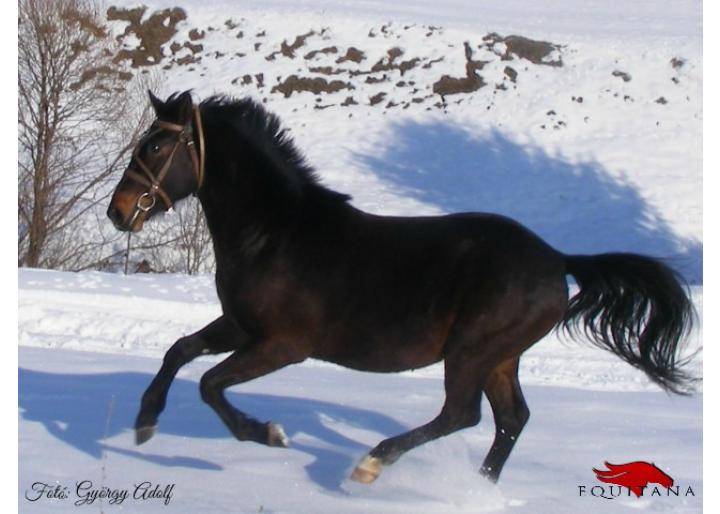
[(270, 303)]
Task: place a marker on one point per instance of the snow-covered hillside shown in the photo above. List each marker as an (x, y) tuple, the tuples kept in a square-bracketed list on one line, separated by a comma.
[(580, 119), (588, 133)]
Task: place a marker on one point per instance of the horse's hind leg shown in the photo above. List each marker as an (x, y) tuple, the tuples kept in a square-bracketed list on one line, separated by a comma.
[(463, 393), (510, 411), (217, 337)]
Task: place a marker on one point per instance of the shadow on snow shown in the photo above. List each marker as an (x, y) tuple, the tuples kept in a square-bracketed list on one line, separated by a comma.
[(75, 409), (578, 207)]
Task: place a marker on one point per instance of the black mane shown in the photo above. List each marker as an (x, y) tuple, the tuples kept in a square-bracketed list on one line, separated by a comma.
[(264, 131)]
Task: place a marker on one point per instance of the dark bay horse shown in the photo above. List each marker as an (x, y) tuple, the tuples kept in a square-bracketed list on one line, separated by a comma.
[(301, 273)]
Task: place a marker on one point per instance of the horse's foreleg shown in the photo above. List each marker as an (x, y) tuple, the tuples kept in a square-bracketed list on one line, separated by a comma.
[(240, 367), (510, 411), (463, 393), (217, 337)]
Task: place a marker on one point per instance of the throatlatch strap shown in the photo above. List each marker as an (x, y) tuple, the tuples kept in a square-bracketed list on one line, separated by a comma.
[(201, 140)]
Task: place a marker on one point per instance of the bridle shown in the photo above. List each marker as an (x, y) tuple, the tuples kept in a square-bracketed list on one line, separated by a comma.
[(146, 201)]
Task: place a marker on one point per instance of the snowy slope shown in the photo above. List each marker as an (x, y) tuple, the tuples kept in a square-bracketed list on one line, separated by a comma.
[(599, 154), (591, 161)]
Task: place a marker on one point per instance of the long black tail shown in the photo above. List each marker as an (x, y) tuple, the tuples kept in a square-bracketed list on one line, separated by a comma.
[(636, 307)]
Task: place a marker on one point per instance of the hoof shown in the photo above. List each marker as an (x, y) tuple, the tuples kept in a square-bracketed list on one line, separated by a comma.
[(277, 436), (367, 470), (142, 434), (488, 474)]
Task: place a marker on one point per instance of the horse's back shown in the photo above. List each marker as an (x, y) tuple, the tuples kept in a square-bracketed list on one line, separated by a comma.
[(482, 237)]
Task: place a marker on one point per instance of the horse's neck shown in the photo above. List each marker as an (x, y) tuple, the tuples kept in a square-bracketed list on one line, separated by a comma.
[(240, 215), (240, 220)]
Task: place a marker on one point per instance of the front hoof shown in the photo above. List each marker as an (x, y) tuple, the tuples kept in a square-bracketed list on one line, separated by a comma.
[(277, 436), (143, 434), (367, 470)]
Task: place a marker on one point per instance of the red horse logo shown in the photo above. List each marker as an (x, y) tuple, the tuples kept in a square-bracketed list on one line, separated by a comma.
[(634, 475)]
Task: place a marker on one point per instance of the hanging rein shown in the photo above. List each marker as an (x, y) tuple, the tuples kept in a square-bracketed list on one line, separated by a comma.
[(153, 181)]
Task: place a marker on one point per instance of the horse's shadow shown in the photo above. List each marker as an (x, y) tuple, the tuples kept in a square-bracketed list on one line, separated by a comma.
[(85, 409), (577, 206)]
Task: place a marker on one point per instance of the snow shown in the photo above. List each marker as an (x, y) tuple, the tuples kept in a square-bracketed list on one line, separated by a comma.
[(91, 342), (77, 410), (622, 172)]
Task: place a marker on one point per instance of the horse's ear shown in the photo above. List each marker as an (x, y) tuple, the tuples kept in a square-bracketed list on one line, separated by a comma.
[(157, 104), (184, 108)]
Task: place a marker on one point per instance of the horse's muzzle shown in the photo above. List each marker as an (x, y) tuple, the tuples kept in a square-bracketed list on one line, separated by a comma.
[(117, 219)]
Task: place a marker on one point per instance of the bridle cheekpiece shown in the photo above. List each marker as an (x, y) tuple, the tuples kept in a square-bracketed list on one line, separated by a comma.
[(146, 201)]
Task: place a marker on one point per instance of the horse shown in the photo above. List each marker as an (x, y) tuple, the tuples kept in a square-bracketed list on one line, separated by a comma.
[(302, 273)]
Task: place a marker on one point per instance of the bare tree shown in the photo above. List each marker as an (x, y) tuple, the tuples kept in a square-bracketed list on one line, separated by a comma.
[(76, 126), (196, 242), (80, 113), (179, 243)]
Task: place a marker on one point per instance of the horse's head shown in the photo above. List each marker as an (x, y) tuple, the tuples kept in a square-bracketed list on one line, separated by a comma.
[(167, 164)]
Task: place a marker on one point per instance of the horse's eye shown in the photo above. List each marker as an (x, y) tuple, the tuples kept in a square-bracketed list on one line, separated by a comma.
[(154, 148)]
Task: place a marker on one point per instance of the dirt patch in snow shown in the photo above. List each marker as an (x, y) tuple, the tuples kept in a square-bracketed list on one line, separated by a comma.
[(153, 33), (153, 37), (472, 81), (537, 52), (318, 85), (326, 50), (390, 62), (353, 55), (288, 50), (623, 75)]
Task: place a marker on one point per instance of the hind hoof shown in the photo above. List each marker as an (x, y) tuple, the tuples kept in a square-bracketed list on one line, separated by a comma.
[(143, 434), (277, 436), (367, 471)]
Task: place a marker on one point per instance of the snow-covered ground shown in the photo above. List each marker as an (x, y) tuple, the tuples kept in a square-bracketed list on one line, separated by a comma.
[(591, 161), (91, 342)]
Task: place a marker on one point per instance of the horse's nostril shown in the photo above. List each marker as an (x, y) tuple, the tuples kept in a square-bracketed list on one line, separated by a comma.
[(114, 215)]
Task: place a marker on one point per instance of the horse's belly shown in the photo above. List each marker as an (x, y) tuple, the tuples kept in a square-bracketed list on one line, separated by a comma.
[(379, 363), (385, 353)]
